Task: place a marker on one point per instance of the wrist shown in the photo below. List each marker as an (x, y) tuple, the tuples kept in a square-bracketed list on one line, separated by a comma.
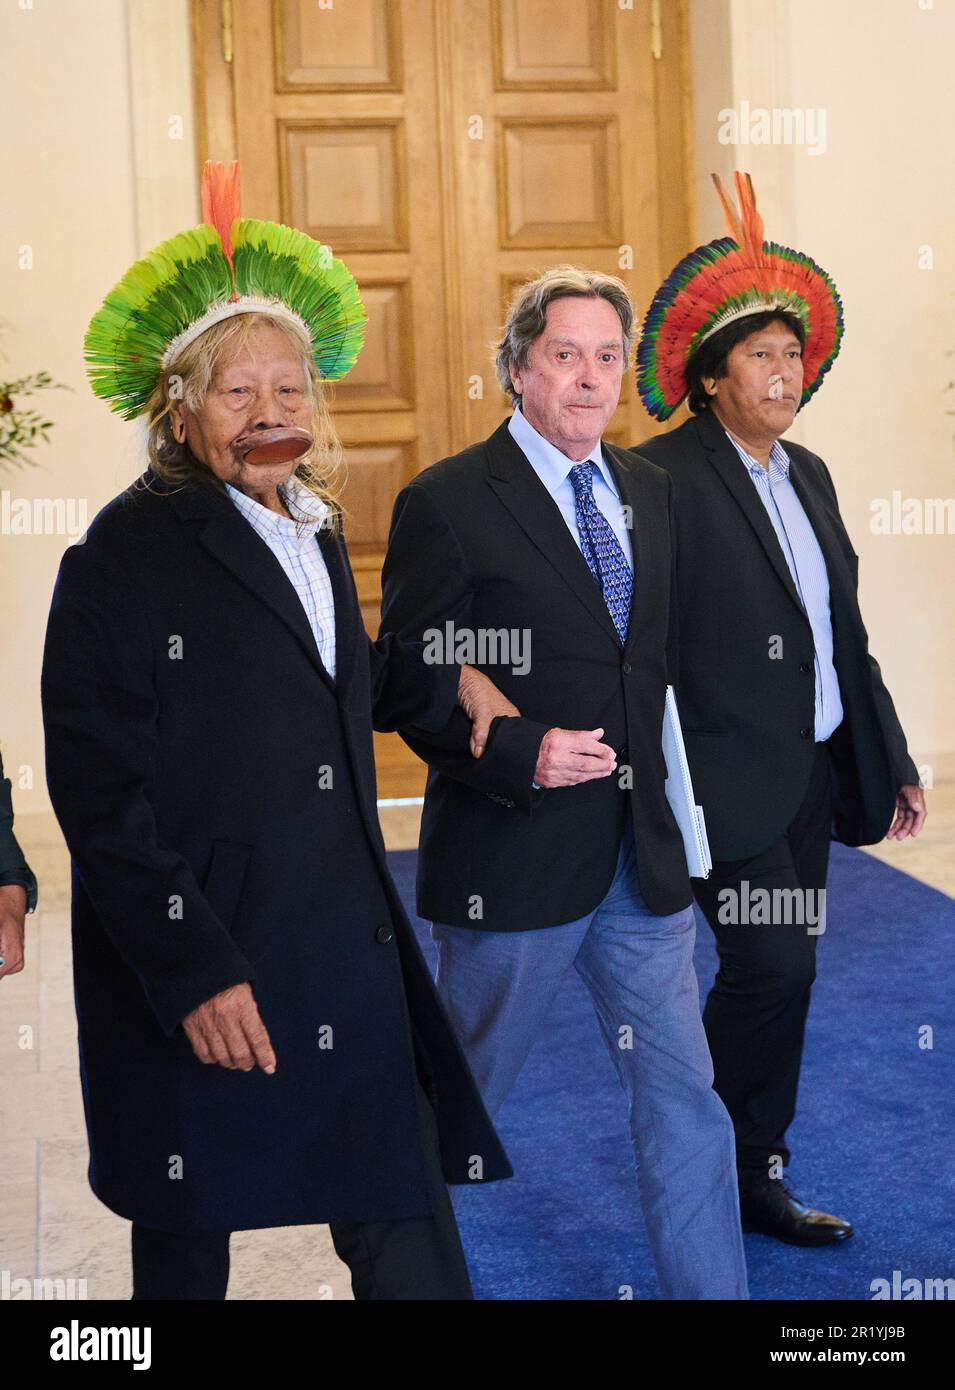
[(24, 878), (467, 682), (13, 898)]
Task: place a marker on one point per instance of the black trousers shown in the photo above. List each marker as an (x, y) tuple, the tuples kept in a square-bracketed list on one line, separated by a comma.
[(388, 1260), (755, 1015)]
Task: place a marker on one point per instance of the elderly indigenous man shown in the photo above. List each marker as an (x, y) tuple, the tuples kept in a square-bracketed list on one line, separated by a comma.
[(790, 732), (260, 1040), (558, 849), (18, 891)]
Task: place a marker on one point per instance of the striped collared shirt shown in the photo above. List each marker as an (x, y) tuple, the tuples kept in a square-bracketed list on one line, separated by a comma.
[(807, 565), (295, 545)]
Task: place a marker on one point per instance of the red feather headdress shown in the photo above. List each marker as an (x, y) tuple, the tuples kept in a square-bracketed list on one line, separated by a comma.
[(723, 281)]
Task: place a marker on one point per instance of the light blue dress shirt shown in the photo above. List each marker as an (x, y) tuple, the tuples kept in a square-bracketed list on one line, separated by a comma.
[(553, 469), (807, 565)]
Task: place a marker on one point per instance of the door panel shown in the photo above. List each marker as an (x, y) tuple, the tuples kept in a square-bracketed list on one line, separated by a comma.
[(448, 150)]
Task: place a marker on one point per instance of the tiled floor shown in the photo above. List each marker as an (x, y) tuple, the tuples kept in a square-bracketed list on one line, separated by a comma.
[(52, 1227)]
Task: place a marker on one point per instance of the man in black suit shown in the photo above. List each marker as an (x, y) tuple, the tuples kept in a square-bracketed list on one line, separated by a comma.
[(558, 848), (790, 732)]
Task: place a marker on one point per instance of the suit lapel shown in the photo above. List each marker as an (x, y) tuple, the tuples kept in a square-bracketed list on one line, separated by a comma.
[(347, 613), (538, 515), (732, 471), (232, 541), (841, 581)]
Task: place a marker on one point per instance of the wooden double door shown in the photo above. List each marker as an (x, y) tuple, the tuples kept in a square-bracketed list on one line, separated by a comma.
[(448, 150)]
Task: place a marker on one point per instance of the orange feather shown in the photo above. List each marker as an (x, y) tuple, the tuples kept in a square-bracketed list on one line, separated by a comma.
[(752, 221), (746, 227), (729, 212), (220, 204)]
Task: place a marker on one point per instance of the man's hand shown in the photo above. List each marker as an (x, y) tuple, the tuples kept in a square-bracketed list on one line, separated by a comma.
[(228, 1030), (481, 701), (909, 815), (13, 911), (569, 756)]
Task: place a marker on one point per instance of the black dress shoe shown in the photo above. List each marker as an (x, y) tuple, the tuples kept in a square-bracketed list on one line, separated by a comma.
[(770, 1208)]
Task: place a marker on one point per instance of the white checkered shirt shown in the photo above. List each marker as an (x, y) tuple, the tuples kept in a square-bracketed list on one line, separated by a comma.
[(295, 545)]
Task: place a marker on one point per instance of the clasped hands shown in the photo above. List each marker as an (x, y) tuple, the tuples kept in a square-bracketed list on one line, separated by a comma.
[(566, 756)]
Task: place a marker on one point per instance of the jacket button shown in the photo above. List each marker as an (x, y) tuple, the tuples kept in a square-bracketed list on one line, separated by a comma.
[(626, 668), (384, 935), (805, 733), (805, 668)]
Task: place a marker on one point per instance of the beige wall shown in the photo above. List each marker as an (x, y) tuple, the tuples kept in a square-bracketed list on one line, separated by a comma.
[(882, 187), (94, 175), (886, 188)]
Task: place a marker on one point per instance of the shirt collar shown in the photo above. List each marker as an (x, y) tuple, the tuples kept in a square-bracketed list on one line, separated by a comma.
[(550, 465), (310, 512), (778, 460)]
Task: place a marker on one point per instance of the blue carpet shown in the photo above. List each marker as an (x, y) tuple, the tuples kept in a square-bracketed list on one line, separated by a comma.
[(873, 1139)]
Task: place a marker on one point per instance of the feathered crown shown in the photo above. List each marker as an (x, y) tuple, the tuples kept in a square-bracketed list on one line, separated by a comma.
[(723, 281), (228, 265)]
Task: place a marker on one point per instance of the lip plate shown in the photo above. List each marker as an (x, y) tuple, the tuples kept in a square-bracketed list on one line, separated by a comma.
[(274, 446)]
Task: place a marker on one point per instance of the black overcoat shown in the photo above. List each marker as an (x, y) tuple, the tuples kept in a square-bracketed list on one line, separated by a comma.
[(216, 789), (748, 719)]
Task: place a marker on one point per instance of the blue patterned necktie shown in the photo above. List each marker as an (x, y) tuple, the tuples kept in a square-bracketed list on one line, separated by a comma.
[(601, 549)]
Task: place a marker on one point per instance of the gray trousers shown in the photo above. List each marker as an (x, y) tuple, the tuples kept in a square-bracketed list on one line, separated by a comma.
[(498, 989)]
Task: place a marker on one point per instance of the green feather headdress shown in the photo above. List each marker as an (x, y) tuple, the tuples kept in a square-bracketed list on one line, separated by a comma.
[(229, 265)]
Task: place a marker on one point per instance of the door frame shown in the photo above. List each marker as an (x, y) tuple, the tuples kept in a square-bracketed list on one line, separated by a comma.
[(666, 23)]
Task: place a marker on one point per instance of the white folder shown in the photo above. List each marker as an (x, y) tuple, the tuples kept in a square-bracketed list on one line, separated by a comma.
[(679, 793)]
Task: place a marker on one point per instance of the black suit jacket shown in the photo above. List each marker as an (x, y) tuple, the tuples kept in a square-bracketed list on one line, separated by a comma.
[(216, 788), (477, 540), (748, 719)]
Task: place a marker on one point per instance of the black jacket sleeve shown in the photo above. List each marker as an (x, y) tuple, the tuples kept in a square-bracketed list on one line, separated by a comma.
[(426, 584), (13, 866), (406, 690), (673, 613), (100, 714), (903, 768), (906, 773)]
